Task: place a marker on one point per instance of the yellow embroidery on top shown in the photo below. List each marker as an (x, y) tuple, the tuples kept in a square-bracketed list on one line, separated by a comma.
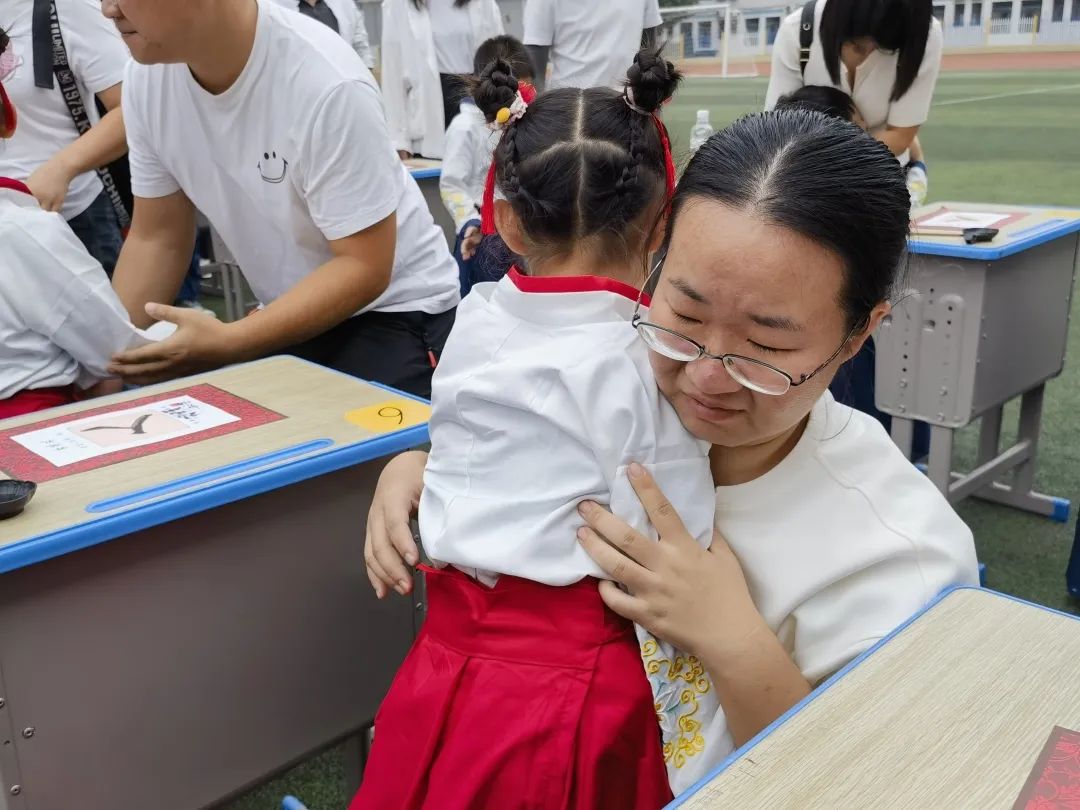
[(677, 683)]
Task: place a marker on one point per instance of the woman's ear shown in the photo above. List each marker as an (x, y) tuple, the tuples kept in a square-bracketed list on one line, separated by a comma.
[(508, 224), (877, 315)]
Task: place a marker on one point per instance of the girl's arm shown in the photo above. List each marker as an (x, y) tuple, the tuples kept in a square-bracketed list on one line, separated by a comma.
[(388, 542), (699, 601)]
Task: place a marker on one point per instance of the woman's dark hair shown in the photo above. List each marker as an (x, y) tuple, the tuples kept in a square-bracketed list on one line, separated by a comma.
[(419, 4), (507, 49), (819, 177), (895, 25), (4, 41), (580, 164), (822, 99)]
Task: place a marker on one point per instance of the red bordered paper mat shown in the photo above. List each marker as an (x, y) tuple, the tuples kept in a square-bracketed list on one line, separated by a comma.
[(18, 462), (1054, 783)]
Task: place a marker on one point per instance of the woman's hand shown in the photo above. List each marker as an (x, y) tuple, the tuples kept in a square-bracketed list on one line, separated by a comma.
[(49, 184), (697, 600), (389, 543), (694, 598)]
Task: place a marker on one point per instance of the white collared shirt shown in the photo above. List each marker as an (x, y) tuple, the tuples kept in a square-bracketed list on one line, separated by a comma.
[(874, 78), (60, 321), (469, 146), (541, 400)]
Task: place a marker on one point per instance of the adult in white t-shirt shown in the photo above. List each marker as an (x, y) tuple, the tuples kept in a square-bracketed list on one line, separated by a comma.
[(47, 153), (269, 124), (588, 44), (827, 537), (426, 46), (885, 54), (343, 16)]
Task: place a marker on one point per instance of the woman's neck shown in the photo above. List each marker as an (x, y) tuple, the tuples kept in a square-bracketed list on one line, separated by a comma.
[(740, 465)]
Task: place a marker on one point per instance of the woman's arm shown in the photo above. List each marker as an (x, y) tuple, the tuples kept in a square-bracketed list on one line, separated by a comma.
[(388, 542), (100, 145), (898, 139), (699, 601)]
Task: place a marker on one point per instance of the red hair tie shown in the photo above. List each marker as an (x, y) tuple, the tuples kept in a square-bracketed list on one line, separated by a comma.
[(487, 208), (11, 119)]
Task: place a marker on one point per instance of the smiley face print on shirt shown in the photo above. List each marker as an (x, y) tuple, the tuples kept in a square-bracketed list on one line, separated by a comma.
[(273, 168)]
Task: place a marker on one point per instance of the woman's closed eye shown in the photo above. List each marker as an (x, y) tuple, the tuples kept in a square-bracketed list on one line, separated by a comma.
[(768, 349), (686, 319)]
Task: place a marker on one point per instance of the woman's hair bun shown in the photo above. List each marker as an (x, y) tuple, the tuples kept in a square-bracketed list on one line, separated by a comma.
[(652, 80), (495, 88)]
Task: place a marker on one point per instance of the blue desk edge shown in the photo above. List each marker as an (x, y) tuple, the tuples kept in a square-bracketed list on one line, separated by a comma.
[(42, 547), (425, 174), (690, 792), (1018, 242)]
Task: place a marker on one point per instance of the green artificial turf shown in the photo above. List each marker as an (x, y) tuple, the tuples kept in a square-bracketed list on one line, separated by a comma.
[(1013, 138)]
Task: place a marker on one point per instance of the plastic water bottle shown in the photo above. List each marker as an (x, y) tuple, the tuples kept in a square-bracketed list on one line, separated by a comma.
[(701, 131)]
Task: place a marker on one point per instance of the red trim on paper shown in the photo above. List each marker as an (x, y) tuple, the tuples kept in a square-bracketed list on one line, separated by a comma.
[(18, 462), (14, 185), (574, 284), (1010, 218)]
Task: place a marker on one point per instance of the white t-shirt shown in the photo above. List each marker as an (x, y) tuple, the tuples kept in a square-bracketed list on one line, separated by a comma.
[(293, 155), (351, 25), (526, 425), (840, 543), (97, 56), (60, 321), (451, 31), (466, 161), (592, 44), (874, 78)]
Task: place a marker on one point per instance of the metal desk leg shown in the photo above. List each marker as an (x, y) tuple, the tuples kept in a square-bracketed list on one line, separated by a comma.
[(903, 433), (939, 466), (990, 435), (1072, 573)]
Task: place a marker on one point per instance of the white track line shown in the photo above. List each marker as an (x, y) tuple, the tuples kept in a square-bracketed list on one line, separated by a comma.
[(1037, 91)]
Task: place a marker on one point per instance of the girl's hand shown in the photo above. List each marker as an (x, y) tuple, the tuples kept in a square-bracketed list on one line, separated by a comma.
[(694, 598), (389, 543)]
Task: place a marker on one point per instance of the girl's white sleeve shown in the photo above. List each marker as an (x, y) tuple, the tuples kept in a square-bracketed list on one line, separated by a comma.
[(457, 167), (84, 316)]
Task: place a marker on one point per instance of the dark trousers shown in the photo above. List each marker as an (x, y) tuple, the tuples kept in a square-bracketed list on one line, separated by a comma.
[(854, 386), (99, 231), (453, 91), (399, 349)]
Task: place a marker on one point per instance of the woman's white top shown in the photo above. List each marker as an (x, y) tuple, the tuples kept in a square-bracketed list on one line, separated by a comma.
[(60, 321), (874, 78), (97, 56), (543, 397), (469, 146), (840, 543), (412, 92)]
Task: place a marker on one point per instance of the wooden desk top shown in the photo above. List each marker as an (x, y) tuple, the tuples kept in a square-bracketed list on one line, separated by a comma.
[(1035, 227), (315, 436), (951, 712)]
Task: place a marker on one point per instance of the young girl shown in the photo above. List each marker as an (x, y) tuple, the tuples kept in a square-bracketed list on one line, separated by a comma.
[(522, 688), (467, 159), (60, 321)]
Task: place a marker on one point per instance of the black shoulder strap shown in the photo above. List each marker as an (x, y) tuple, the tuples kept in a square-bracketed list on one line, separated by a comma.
[(806, 35), (59, 68), (41, 44)]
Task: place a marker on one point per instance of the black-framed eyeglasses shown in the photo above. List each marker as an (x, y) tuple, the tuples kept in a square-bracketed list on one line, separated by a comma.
[(746, 371)]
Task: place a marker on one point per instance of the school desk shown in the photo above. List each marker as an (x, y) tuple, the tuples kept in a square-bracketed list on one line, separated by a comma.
[(179, 621), (950, 711), (426, 173), (978, 326)]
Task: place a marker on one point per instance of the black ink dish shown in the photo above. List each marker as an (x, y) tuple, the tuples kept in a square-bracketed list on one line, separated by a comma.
[(14, 496)]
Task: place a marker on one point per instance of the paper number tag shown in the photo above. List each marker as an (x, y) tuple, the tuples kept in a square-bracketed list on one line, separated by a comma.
[(390, 416)]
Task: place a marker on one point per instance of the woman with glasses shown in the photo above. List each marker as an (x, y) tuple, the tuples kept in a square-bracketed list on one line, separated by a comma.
[(783, 246)]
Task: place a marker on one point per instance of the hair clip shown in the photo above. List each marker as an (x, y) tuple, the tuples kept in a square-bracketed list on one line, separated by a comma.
[(512, 113), (628, 97)]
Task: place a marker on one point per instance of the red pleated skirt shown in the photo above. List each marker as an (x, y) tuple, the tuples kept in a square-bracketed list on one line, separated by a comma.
[(513, 697), (32, 401)]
